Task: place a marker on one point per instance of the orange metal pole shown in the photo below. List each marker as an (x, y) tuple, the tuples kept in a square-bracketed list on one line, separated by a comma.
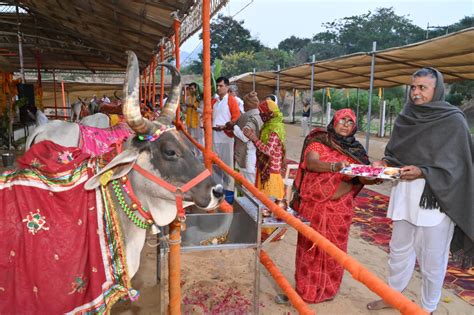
[(154, 81), (206, 72), (175, 268), (176, 26), (55, 98), (64, 98), (145, 86), (280, 279), (140, 90), (358, 272), (162, 79), (149, 79), (175, 229)]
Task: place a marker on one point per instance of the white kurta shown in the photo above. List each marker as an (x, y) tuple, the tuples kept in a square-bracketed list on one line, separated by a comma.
[(422, 235), (249, 171), (223, 145), (404, 204)]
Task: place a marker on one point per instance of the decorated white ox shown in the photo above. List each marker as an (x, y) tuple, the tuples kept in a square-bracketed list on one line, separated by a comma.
[(65, 133), (76, 109), (87, 219)]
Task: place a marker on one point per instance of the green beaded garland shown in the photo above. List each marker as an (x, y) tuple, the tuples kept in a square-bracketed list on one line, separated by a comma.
[(130, 213)]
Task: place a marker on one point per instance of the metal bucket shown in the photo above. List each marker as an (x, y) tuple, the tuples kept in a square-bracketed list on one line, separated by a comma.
[(8, 159)]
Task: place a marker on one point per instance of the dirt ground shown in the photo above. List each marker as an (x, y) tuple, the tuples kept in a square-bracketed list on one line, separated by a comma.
[(220, 282), (223, 280)]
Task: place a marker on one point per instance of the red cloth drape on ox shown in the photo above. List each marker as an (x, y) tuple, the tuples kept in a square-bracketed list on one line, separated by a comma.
[(54, 255), (318, 276)]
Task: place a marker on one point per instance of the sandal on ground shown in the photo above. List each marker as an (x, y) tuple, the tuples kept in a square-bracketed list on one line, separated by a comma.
[(281, 299), (377, 305)]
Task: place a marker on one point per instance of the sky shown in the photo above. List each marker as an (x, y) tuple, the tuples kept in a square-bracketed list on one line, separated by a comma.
[(272, 21)]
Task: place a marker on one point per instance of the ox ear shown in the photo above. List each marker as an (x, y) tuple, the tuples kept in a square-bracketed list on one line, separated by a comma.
[(118, 167)]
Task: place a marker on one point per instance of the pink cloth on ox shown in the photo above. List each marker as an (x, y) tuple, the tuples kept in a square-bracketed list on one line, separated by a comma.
[(97, 141)]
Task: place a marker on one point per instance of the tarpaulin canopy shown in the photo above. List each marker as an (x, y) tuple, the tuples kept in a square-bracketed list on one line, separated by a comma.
[(452, 54), (93, 35)]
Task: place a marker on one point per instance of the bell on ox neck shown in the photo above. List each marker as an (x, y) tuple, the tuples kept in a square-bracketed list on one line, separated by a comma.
[(154, 229)]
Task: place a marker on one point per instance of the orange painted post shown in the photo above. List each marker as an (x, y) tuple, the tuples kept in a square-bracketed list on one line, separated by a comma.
[(148, 88), (175, 229), (176, 26), (358, 272), (154, 81), (140, 92), (64, 98), (149, 79), (175, 268), (206, 72), (280, 279), (55, 98), (162, 79), (145, 86)]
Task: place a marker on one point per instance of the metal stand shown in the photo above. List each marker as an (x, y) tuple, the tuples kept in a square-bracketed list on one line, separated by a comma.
[(243, 229)]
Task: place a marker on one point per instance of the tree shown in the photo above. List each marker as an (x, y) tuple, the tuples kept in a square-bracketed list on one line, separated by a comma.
[(237, 63), (321, 51), (356, 33), (195, 67), (269, 59), (241, 62), (465, 22), (228, 36), (293, 44), (460, 92)]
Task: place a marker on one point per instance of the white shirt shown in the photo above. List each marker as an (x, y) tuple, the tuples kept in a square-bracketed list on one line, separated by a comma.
[(251, 160), (41, 118), (105, 100), (241, 104), (404, 204), (220, 116)]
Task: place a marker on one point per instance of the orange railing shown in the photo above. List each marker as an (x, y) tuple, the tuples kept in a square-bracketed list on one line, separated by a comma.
[(358, 272)]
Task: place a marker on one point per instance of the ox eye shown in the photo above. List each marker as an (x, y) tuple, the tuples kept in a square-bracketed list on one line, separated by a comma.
[(170, 152)]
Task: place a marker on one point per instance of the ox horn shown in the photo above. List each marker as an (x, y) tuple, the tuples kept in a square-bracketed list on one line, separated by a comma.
[(172, 102), (131, 107)]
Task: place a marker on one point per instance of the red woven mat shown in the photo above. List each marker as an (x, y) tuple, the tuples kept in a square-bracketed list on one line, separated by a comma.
[(376, 228)]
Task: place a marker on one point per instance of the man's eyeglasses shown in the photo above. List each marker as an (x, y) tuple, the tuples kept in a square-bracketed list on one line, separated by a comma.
[(346, 122)]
